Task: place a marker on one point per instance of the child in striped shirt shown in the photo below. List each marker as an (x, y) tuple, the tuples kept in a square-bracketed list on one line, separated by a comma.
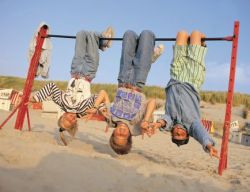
[(73, 108)]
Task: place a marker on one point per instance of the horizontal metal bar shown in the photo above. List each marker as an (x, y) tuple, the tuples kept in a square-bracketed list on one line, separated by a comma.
[(228, 38)]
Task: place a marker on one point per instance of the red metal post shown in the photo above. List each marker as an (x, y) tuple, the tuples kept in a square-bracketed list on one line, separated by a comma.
[(227, 121), (30, 78), (28, 119), (10, 115)]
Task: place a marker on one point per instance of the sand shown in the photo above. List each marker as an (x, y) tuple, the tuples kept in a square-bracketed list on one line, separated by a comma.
[(37, 161)]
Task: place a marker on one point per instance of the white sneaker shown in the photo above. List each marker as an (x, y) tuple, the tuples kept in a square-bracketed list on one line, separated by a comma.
[(108, 33), (157, 52)]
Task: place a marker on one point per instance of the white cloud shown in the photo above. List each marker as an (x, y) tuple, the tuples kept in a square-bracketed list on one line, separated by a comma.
[(217, 77)]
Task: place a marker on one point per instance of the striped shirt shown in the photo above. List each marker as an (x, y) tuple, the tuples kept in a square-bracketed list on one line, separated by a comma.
[(188, 64), (65, 100)]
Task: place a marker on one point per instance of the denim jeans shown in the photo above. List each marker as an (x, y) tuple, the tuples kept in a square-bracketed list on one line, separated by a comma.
[(86, 59), (136, 57)]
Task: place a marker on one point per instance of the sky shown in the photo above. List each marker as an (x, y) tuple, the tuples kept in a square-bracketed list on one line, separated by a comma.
[(19, 21)]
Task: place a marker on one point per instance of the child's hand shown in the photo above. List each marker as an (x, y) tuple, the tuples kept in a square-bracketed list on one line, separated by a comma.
[(91, 111), (146, 127), (212, 151), (32, 100), (156, 125)]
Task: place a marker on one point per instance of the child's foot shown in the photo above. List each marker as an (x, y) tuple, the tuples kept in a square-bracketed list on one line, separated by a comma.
[(157, 52), (108, 33)]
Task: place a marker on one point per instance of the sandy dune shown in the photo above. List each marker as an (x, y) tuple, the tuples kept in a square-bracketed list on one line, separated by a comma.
[(37, 161)]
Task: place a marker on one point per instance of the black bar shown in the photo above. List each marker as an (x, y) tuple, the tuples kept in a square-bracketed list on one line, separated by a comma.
[(61, 36), (228, 38)]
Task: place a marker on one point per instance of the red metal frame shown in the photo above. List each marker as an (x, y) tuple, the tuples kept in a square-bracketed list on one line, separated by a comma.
[(23, 107), (227, 121)]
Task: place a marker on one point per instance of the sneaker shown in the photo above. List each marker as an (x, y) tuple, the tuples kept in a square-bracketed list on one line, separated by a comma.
[(157, 52), (108, 33)]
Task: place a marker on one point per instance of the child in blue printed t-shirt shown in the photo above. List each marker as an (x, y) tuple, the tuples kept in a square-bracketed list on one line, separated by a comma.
[(130, 113)]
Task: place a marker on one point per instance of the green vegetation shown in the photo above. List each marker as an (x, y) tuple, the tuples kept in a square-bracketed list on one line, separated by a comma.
[(150, 91), (220, 97)]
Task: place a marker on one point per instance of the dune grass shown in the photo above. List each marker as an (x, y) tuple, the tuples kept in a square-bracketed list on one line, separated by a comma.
[(150, 91)]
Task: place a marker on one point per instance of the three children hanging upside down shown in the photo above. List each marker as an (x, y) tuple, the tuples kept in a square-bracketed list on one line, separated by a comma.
[(130, 114)]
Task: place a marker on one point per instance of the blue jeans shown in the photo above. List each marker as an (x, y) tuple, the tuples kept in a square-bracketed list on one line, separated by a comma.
[(86, 59), (136, 58)]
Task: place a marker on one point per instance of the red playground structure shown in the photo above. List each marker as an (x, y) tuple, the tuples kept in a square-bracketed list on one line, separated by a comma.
[(22, 108)]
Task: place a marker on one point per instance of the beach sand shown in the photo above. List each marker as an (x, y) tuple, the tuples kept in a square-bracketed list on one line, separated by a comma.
[(37, 161)]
